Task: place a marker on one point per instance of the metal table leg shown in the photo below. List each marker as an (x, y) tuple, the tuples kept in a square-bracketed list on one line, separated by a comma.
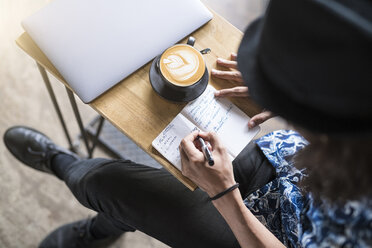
[(79, 121), (89, 148), (55, 103), (95, 138)]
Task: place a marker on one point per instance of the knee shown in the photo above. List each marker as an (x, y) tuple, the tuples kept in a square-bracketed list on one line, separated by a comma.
[(88, 181), (108, 183)]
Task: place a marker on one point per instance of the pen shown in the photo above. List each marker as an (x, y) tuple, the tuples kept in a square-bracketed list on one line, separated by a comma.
[(207, 153)]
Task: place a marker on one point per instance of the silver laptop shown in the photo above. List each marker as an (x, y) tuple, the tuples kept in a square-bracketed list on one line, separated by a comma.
[(95, 44)]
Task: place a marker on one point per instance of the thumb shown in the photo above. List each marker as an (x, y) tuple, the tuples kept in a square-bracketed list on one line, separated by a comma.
[(259, 118)]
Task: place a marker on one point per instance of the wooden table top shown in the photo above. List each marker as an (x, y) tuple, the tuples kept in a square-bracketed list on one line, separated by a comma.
[(133, 106)]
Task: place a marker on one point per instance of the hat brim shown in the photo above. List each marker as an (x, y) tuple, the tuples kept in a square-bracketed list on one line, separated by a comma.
[(267, 94), (261, 90), (247, 55)]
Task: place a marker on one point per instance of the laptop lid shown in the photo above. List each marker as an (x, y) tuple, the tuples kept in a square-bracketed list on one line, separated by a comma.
[(95, 44)]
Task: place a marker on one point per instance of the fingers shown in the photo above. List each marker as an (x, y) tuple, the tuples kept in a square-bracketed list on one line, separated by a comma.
[(259, 118), (192, 136), (229, 75), (212, 138), (187, 145), (239, 91), (234, 75), (184, 158), (199, 146), (227, 63), (233, 56)]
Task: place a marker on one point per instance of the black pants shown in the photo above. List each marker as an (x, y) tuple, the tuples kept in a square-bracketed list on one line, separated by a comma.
[(129, 196)]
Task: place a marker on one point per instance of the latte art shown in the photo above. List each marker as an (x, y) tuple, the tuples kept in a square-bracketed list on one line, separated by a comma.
[(182, 65)]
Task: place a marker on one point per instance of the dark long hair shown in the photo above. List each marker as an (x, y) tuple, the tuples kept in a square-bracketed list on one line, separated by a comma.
[(338, 168)]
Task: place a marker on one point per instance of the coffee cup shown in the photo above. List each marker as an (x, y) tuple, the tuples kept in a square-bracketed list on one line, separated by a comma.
[(180, 74), (181, 65)]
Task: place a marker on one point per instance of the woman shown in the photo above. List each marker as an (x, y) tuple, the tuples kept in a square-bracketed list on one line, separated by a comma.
[(328, 97)]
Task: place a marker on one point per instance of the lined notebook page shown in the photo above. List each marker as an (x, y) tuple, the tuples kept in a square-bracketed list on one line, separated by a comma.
[(220, 115), (169, 139)]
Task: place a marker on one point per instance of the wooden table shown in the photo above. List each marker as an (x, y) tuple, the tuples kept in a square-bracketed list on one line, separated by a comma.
[(135, 109)]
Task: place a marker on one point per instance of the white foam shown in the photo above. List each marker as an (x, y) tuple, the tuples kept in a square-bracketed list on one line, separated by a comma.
[(182, 65)]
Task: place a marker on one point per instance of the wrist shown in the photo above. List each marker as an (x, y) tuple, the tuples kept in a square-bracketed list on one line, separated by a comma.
[(224, 192), (233, 199), (220, 187)]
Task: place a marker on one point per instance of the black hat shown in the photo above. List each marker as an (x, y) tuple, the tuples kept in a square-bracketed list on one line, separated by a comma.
[(310, 61)]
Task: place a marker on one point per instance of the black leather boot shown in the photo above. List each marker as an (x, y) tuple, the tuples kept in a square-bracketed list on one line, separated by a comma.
[(33, 148)]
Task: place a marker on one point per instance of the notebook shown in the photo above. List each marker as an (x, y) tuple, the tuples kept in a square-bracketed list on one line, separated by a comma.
[(95, 44), (206, 113)]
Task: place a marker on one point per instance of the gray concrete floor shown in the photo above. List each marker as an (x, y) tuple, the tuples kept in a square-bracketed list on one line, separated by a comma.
[(32, 203)]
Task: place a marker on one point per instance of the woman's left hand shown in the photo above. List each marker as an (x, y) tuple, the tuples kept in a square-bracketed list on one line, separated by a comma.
[(212, 179), (231, 73)]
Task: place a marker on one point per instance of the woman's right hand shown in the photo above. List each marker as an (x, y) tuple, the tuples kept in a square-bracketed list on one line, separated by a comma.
[(212, 179), (240, 91)]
